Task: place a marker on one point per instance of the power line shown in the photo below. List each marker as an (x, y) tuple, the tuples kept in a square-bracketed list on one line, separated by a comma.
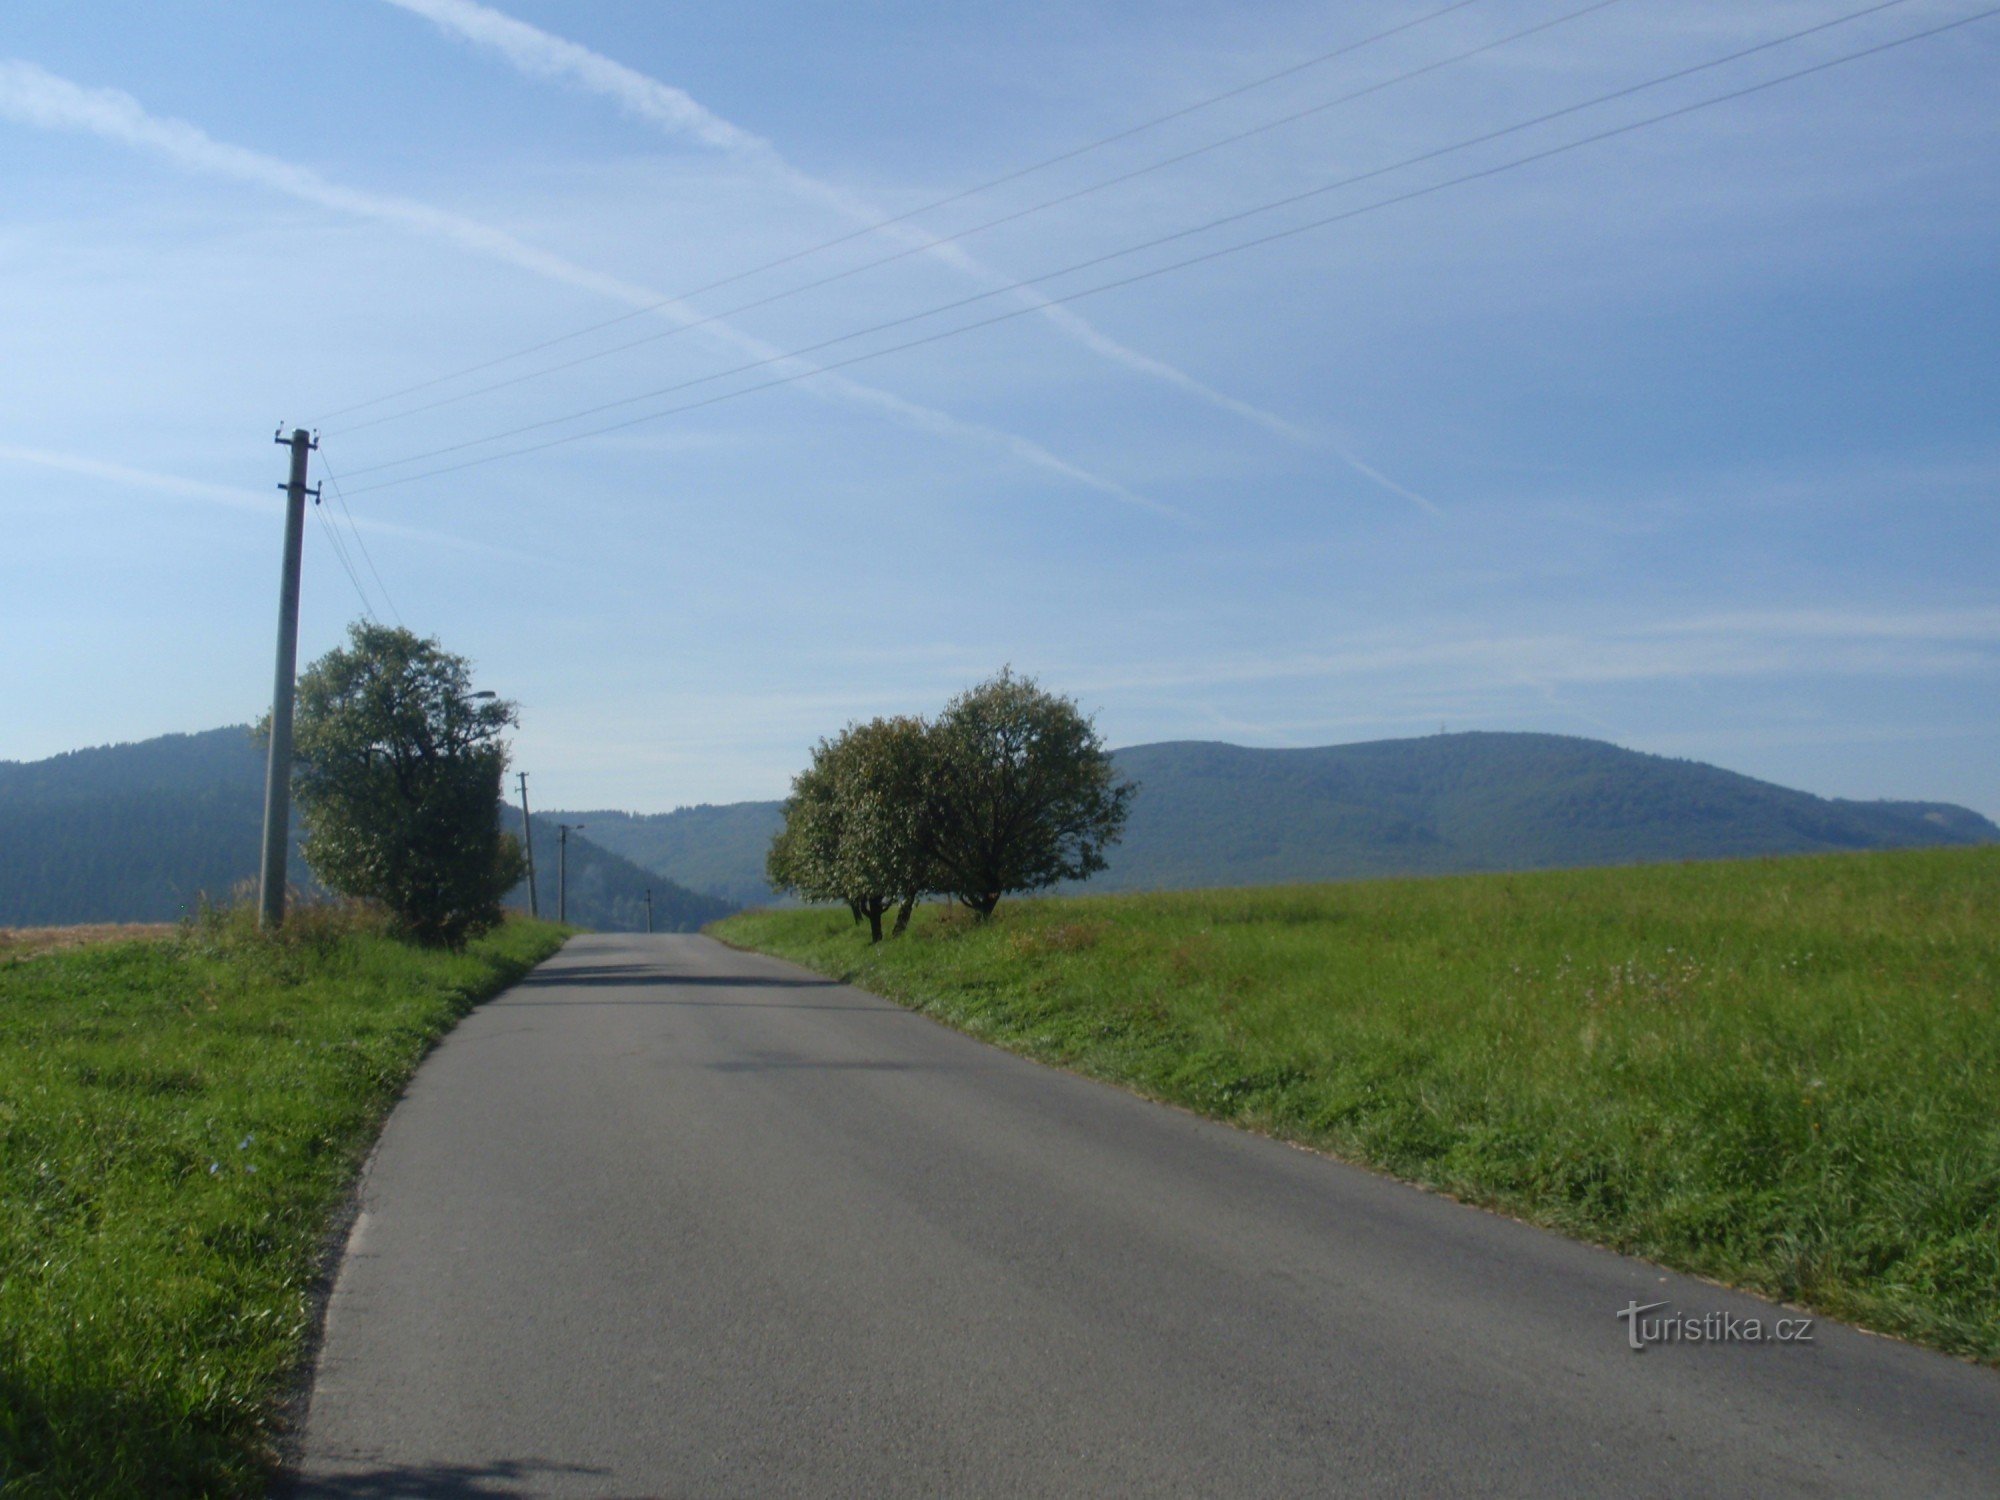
[(881, 224), (1281, 234), (1421, 192), (994, 223), (347, 566), (360, 540)]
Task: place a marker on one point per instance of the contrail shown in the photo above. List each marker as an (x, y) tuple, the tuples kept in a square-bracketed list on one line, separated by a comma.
[(229, 497), (541, 55), (33, 96), (1367, 471)]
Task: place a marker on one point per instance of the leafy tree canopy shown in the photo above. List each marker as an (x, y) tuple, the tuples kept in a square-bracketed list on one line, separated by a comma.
[(1009, 790), (397, 776), (853, 827), (1023, 795)]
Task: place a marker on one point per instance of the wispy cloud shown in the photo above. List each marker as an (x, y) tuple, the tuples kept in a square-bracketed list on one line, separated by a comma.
[(1848, 624), (231, 497), (33, 96), (1790, 643), (228, 496), (539, 54)]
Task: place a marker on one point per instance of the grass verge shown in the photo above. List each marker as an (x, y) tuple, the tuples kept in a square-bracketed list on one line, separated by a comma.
[(179, 1120), (1781, 1074)]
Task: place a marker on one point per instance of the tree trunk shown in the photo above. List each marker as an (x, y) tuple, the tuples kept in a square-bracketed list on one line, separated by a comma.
[(903, 914), (875, 909), (855, 908)]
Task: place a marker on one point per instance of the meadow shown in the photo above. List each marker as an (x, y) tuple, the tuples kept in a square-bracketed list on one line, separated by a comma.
[(1783, 1074), (181, 1118)]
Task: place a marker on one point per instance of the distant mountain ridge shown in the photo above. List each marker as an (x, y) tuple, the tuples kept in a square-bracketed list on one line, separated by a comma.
[(141, 832), (138, 832), (717, 849), (1454, 803), (1212, 814)]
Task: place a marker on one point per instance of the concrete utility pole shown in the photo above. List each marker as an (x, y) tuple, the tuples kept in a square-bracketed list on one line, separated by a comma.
[(562, 869), (649, 908), (528, 842), (278, 770)]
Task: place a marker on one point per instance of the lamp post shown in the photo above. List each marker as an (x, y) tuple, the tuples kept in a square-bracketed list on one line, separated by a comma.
[(562, 869)]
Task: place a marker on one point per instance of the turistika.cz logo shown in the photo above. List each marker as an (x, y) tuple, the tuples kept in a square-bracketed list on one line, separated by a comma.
[(1642, 1331)]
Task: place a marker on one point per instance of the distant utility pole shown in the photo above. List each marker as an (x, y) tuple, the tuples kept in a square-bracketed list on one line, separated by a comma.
[(528, 839), (562, 869), (649, 908), (278, 769)]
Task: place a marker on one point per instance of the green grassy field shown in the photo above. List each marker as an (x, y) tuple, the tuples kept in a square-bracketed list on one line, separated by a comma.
[(179, 1121), (1783, 1074)]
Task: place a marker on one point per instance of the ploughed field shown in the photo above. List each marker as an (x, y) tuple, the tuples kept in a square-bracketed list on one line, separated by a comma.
[(1780, 1073), (25, 942)]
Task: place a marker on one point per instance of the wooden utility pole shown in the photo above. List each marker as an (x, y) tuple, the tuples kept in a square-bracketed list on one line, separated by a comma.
[(562, 869), (649, 908), (528, 843), (278, 769)]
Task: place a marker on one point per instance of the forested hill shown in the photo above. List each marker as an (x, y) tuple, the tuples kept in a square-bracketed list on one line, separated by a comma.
[(138, 833), (717, 850), (607, 892), (1216, 814), (129, 833)]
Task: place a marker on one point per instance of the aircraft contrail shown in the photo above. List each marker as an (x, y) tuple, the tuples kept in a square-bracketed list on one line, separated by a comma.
[(542, 55), (34, 96), (229, 497)]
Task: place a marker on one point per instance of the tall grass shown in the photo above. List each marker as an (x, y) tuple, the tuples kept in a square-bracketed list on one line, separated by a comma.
[(1783, 1074), (179, 1120)]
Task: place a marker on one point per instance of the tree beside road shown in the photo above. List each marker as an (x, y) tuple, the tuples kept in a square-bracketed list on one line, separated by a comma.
[(397, 774), (1009, 789)]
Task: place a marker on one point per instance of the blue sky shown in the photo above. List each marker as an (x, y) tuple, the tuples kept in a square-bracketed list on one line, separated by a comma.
[(1684, 439)]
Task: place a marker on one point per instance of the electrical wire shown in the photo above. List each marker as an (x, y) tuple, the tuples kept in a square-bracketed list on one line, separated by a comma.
[(1227, 219), (1492, 171), (1007, 218), (359, 540), (346, 564), (964, 193)]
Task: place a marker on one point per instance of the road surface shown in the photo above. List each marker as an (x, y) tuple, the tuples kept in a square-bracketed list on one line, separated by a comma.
[(668, 1219)]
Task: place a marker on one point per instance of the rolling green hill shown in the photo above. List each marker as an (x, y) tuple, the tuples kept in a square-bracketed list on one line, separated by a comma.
[(1214, 814), (718, 851), (129, 833), (140, 832), (1211, 814), (607, 892)]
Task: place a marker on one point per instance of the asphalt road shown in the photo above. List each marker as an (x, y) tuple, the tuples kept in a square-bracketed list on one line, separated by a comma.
[(668, 1219)]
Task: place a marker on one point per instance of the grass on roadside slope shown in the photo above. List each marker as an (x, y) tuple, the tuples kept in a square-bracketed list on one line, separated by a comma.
[(1783, 1074), (179, 1120)]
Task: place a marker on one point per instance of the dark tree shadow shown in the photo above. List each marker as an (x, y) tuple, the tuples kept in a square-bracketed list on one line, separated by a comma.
[(780, 1064), (501, 1476), (588, 976)]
